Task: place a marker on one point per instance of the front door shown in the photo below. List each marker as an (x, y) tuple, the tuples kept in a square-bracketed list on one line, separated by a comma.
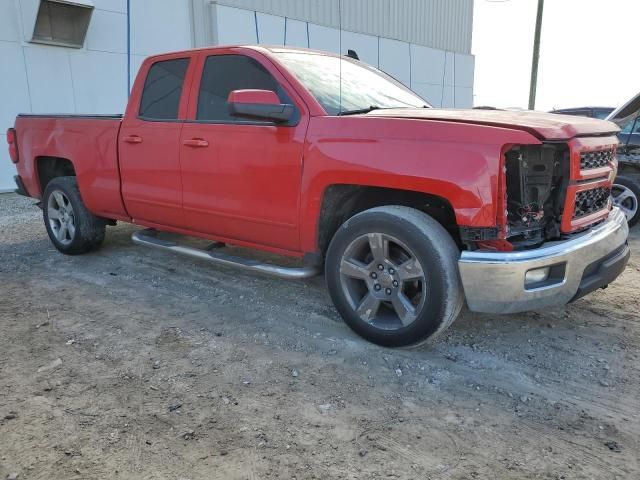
[(241, 179), (149, 142)]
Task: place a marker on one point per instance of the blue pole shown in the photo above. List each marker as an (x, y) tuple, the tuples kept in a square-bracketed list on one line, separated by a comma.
[(128, 48)]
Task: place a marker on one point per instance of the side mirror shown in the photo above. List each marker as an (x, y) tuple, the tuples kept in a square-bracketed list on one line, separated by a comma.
[(259, 105)]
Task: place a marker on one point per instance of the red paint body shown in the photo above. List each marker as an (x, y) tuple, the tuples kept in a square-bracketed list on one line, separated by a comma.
[(262, 185)]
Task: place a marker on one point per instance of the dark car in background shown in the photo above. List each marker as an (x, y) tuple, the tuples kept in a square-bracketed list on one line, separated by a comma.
[(591, 112), (630, 136), (626, 189)]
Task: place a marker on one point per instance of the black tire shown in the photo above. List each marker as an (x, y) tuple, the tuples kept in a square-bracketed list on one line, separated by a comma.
[(88, 230), (417, 236), (632, 184)]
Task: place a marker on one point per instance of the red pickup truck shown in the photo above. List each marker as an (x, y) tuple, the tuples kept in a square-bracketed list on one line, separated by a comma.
[(411, 210)]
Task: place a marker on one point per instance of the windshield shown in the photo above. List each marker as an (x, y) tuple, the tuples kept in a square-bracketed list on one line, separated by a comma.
[(363, 87)]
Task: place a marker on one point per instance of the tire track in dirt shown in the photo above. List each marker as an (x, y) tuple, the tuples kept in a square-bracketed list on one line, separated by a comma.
[(426, 444)]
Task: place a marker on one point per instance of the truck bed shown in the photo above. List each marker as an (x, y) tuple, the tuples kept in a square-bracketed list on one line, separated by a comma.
[(91, 140)]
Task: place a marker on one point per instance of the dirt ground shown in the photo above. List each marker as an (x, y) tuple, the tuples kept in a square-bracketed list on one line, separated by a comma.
[(133, 363)]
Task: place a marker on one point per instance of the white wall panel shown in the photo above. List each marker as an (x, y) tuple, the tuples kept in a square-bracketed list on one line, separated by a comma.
[(427, 64), (366, 46), (324, 38), (160, 26), (464, 70), (464, 97), (29, 11), (9, 26), (449, 69), (394, 59), (107, 32), (112, 5), (99, 93), (7, 168), (235, 26), (430, 92), (296, 33), (14, 90), (50, 81), (448, 96), (136, 63), (270, 29)]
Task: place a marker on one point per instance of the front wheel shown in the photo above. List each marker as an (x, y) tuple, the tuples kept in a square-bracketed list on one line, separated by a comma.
[(392, 274), (72, 228)]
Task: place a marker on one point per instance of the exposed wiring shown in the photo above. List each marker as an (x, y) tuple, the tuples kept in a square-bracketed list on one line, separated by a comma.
[(531, 213)]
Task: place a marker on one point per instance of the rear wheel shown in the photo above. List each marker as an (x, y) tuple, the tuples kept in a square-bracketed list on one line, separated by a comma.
[(392, 274), (73, 230), (626, 193)]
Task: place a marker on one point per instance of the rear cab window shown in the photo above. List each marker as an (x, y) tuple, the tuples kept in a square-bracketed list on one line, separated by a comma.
[(163, 89)]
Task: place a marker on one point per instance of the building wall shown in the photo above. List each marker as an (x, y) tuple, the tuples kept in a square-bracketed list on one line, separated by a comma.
[(37, 78), (444, 79), (442, 24)]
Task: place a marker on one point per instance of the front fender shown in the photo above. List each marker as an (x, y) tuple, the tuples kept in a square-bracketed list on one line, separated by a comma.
[(458, 162)]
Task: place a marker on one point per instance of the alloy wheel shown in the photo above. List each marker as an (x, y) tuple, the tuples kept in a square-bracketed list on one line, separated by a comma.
[(61, 217), (383, 281), (624, 198)]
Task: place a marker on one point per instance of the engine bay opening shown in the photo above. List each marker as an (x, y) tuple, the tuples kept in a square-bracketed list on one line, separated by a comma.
[(536, 181)]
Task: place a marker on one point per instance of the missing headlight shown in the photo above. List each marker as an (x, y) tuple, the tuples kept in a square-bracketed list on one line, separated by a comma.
[(535, 193)]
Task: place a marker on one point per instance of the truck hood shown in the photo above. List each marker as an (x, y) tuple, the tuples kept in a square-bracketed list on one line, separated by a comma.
[(627, 113), (545, 126)]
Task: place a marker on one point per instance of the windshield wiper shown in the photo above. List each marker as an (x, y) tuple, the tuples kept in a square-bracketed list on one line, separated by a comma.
[(372, 108), (359, 110)]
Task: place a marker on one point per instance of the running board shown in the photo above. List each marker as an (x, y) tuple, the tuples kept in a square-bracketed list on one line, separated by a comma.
[(149, 238)]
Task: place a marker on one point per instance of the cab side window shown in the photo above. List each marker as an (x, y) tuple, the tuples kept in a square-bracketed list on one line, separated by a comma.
[(223, 74), (162, 90)]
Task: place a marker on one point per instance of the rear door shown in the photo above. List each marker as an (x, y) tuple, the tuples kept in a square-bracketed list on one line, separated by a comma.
[(241, 178), (149, 141)]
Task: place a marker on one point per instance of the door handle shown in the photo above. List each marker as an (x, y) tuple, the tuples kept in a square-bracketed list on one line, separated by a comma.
[(196, 143), (133, 139)]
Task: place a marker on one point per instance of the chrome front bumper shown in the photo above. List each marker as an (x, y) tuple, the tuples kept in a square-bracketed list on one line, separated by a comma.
[(494, 282)]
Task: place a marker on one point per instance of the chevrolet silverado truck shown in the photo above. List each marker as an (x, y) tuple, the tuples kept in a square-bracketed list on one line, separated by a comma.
[(410, 210)]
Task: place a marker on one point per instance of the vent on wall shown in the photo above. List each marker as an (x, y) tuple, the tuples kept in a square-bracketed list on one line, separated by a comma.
[(62, 23)]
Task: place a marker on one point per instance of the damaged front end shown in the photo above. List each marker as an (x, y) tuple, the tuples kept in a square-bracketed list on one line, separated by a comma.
[(549, 192), (536, 180), (557, 236)]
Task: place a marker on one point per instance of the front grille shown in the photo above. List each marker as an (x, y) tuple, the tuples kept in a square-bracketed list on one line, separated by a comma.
[(596, 159), (591, 201)]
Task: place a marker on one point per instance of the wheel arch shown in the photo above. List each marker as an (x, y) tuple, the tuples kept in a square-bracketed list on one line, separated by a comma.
[(50, 167), (342, 201)]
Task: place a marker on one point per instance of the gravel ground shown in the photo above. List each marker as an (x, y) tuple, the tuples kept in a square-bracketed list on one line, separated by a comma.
[(133, 363)]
